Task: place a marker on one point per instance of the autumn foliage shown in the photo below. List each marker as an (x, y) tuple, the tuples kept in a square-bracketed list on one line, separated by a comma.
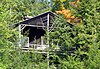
[(68, 14)]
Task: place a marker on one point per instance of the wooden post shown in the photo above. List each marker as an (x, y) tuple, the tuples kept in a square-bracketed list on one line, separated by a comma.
[(41, 40), (48, 41), (19, 35), (28, 42)]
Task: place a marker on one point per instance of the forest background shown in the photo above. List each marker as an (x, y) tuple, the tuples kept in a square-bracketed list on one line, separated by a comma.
[(80, 45)]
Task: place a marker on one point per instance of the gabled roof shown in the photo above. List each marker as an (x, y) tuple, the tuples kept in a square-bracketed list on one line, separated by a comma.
[(31, 19)]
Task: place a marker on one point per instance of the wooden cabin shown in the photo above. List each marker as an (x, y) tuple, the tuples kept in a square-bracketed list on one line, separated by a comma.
[(32, 31)]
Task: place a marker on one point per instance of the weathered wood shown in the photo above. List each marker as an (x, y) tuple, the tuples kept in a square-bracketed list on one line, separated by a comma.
[(38, 47), (34, 25)]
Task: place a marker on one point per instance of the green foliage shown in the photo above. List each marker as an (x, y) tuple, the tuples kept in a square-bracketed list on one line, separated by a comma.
[(74, 47), (11, 12), (80, 44), (57, 4)]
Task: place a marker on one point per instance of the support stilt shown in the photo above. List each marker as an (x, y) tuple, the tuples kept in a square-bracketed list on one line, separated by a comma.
[(48, 40), (19, 35)]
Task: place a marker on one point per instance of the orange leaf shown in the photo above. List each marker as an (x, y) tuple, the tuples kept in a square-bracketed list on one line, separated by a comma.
[(69, 15), (72, 17), (69, 20)]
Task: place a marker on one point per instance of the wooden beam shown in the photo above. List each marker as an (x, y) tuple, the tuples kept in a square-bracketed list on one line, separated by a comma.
[(35, 26)]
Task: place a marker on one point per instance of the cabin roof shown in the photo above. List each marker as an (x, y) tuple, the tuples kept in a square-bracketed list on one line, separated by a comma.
[(31, 19)]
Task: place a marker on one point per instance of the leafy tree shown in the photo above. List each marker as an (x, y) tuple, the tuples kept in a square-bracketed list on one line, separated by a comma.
[(74, 46), (13, 11), (79, 44)]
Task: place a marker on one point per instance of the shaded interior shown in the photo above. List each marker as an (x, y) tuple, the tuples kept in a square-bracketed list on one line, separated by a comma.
[(33, 33)]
